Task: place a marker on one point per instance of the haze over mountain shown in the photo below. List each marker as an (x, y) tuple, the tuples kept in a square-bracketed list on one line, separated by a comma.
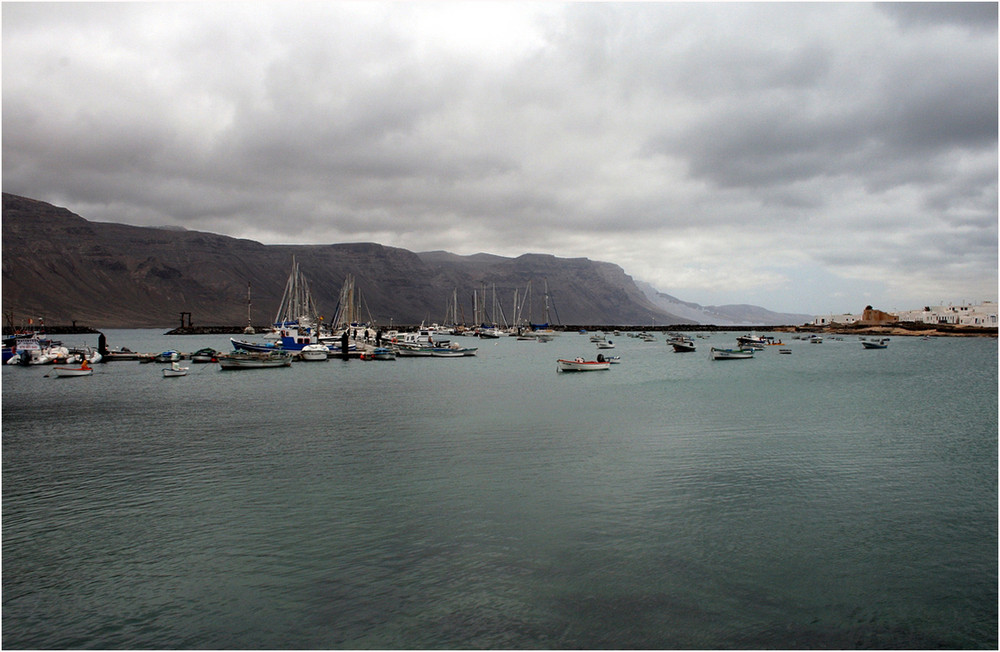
[(62, 267)]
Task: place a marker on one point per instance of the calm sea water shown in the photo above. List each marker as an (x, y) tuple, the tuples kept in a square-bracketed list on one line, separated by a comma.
[(832, 498)]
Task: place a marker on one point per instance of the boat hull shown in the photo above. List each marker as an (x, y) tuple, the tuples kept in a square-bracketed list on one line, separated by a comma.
[(254, 361), (581, 365), (175, 373), (68, 372), (731, 354)]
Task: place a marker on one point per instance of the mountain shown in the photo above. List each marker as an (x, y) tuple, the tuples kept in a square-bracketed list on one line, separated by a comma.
[(729, 315), (64, 268)]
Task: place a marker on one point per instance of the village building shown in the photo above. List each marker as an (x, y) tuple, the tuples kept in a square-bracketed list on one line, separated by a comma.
[(982, 314)]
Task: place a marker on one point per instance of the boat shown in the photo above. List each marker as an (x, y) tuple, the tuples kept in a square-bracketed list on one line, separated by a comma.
[(255, 360), (314, 353), (379, 353), (875, 344), (579, 364), (71, 372), (682, 345), (167, 356), (785, 351), (605, 344), (202, 356), (731, 354), (175, 371)]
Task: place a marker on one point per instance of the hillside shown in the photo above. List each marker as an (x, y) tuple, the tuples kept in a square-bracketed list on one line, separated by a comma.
[(62, 267)]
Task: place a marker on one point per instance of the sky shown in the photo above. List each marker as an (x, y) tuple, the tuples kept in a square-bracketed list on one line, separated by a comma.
[(809, 158)]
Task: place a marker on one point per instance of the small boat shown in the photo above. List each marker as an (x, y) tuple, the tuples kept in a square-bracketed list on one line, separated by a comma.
[(682, 346), (70, 372), (383, 353), (731, 354), (175, 371), (605, 344), (875, 344), (314, 353), (785, 351), (250, 360), (202, 356), (167, 356), (579, 364)]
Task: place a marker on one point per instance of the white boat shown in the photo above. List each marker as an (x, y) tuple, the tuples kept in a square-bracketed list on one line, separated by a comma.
[(70, 372), (175, 371), (314, 353), (579, 364), (605, 344), (876, 344), (731, 354), (252, 360)]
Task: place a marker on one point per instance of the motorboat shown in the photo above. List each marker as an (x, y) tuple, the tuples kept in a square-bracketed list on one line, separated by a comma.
[(731, 354), (314, 353), (202, 356), (175, 371), (682, 345), (875, 344)]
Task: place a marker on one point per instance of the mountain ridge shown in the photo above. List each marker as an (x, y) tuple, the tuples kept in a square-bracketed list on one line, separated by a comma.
[(65, 268)]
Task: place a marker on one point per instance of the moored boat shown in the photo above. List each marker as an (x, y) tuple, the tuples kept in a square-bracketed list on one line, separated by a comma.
[(314, 353), (254, 360), (579, 364), (202, 356), (875, 344), (682, 345), (731, 354), (71, 372), (175, 371)]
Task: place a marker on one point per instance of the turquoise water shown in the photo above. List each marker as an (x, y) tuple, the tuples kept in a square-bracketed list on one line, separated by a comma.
[(832, 498)]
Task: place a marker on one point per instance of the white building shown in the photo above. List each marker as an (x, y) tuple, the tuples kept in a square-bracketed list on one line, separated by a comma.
[(826, 320), (980, 314)]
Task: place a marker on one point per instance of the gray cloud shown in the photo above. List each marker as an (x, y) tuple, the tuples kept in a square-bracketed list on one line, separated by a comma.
[(719, 151)]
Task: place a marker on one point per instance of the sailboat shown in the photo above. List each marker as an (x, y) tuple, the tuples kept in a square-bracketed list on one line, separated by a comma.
[(544, 330), (296, 325)]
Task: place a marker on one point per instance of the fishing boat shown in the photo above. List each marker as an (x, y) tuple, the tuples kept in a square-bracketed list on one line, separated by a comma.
[(682, 345), (167, 356), (605, 344), (453, 351), (875, 344), (71, 372), (579, 364), (255, 360), (175, 371), (731, 354)]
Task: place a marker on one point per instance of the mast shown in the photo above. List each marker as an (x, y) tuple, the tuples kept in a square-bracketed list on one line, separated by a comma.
[(249, 329)]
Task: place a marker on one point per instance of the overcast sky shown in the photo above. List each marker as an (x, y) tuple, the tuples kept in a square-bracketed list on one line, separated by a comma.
[(809, 158)]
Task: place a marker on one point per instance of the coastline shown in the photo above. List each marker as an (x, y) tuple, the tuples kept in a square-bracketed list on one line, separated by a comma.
[(903, 329)]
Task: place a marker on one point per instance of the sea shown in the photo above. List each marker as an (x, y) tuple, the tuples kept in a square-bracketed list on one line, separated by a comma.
[(831, 498)]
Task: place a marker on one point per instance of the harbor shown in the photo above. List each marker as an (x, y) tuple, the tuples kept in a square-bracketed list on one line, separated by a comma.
[(836, 497)]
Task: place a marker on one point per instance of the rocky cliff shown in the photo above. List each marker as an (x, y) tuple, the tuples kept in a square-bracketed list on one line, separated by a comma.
[(62, 267)]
